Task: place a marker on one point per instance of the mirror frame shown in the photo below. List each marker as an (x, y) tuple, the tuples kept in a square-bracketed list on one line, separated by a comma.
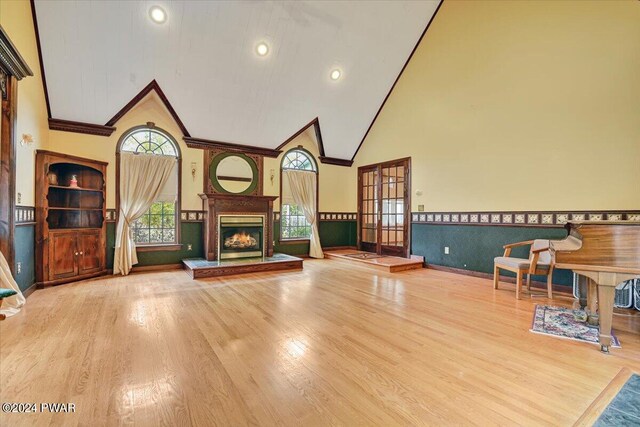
[(213, 177)]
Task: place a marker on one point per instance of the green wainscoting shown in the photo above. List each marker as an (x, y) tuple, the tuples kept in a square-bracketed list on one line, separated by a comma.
[(191, 233), (332, 234), (25, 253), (474, 247)]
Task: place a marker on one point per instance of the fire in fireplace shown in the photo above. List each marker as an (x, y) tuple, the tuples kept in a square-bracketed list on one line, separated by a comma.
[(241, 240), (241, 236)]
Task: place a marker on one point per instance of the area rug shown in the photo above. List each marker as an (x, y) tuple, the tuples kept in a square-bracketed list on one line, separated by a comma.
[(560, 322)]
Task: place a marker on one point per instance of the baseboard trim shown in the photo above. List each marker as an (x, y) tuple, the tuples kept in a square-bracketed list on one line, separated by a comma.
[(155, 267), (31, 289), (534, 284)]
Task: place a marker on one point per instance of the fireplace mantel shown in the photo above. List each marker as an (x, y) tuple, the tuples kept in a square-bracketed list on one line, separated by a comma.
[(234, 204)]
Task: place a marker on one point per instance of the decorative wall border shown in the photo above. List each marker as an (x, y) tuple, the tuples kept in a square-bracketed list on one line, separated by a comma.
[(521, 219), (338, 216), (25, 215), (192, 216), (185, 216), (198, 216), (328, 216)]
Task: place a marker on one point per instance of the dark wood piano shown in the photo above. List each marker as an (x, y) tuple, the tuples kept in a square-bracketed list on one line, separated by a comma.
[(606, 253)]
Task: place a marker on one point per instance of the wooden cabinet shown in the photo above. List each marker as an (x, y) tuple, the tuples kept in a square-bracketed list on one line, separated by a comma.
[(70, 218), (73, 253), (62, 261)]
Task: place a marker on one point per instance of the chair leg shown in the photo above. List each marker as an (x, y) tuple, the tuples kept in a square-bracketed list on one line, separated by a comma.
[(496, 276), (550, 284), (528, 283), (518, 284), (2, 316)]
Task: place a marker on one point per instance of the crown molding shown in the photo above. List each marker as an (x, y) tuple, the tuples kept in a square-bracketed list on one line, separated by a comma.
[(323, 159), (80, 127), (11, 62), (153, 86), (207, 144), (336, 161), (316, 124)]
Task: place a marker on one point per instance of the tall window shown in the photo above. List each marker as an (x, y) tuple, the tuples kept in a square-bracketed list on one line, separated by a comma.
[(159, 225), (293, 224)]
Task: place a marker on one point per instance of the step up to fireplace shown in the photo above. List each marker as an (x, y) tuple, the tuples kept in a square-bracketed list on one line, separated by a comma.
[(201, 268)]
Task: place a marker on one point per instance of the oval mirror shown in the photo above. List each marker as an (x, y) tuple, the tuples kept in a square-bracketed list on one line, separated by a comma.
[(234, 174)]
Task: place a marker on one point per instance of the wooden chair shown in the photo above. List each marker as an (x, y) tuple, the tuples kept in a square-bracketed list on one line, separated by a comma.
[(539, 263)]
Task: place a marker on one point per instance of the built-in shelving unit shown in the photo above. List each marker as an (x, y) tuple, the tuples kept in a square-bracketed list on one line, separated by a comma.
[(70, 217)]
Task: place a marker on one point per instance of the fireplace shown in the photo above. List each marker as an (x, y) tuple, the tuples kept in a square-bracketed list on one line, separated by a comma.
[(240, 236)]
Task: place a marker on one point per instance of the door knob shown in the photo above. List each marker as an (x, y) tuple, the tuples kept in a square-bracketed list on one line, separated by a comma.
[(76, 253), (80, 252)]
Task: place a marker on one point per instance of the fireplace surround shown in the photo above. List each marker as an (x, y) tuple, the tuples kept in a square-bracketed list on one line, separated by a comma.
[(240, 236), (233, 205)]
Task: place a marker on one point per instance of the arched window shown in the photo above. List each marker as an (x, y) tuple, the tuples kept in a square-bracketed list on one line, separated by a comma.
[(293, 224), (159, 226)]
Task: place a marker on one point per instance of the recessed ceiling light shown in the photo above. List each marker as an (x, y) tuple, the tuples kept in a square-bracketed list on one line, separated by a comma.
[(157, 14), (335, 74), (262, 49)]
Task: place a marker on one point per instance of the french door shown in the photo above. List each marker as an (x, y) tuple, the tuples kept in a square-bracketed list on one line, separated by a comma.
[(384, 200)]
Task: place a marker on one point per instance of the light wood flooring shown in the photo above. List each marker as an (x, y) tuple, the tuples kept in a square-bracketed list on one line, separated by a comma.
[(333, 344)]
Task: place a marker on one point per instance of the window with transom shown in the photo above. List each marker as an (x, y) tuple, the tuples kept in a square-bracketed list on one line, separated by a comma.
[(293, 223), (159, 225)]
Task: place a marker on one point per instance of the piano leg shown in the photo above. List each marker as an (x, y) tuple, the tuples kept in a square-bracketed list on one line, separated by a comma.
[(606, 297), (592, 302)]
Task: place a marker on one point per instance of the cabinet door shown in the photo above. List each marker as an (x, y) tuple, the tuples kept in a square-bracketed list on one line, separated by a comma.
[(89, 258), (63, 248)]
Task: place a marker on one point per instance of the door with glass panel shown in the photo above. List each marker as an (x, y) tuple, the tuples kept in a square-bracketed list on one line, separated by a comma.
[(383, 207)]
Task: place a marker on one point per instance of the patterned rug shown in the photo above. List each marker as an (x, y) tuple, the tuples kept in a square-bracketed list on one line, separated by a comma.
[(560, 322)]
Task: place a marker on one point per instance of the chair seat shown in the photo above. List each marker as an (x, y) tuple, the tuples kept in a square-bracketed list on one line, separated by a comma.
[(520, 263), (5, 293)]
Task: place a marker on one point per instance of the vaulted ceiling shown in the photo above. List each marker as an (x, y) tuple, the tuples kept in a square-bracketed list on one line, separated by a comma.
[(98, 55)]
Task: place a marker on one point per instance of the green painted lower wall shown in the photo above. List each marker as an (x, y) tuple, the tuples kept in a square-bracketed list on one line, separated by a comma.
[(474, 247), (25, 253), (332, 234), (191, 233)]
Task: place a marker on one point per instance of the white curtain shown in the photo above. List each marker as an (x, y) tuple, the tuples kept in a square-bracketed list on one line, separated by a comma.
[(303, 189), (11, 305), (143, 177)]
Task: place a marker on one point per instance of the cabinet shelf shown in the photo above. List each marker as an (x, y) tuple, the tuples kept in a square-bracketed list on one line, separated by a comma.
[(62, 187), (54, 208)]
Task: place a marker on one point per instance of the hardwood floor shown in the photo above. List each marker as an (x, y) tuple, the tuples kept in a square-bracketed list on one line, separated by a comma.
[(336, 343)]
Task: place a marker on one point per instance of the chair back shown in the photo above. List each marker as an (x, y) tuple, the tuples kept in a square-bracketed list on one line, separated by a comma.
[(545, 257)]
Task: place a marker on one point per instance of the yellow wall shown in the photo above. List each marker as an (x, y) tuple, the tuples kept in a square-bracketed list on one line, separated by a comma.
[(15, 18), (334, 195), (150, 109), (506, 105), (514, 105)]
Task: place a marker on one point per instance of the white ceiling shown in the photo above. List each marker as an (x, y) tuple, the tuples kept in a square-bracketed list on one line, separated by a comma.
[(99, 54)]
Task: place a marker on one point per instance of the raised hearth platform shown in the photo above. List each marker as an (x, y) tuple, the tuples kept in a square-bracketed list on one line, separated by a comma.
[(391, 264), (201, 268)]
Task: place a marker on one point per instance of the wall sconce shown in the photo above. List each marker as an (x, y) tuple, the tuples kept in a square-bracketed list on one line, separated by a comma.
[(272, 175), (193, 170), (27, 139)]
